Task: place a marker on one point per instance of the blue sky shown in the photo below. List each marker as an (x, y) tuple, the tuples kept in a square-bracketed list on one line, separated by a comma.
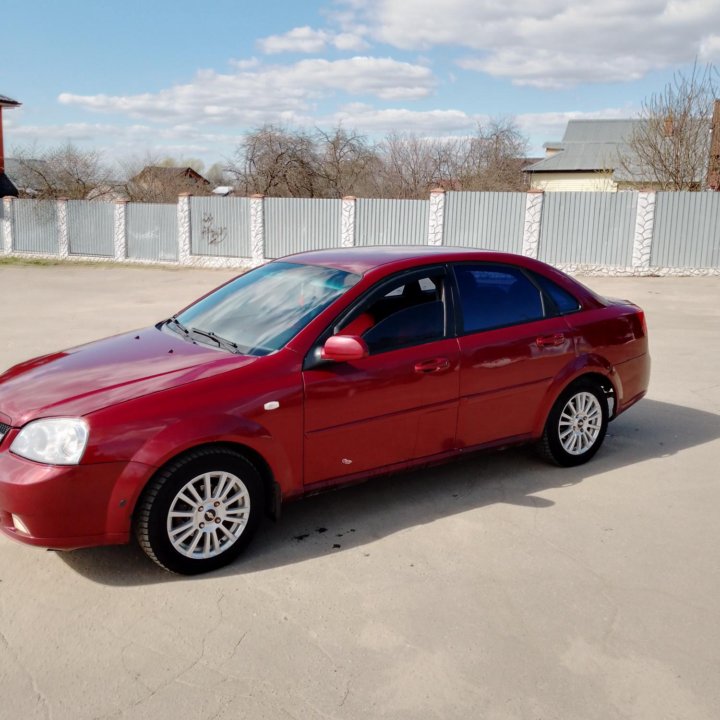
[(187, 79)]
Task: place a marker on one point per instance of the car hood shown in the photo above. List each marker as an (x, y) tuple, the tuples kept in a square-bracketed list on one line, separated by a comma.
[(83, 379)]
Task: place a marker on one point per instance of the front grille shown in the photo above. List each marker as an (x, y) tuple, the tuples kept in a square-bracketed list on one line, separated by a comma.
[(3, 430)]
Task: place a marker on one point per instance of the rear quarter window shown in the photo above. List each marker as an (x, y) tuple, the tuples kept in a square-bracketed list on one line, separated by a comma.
[(564, 301)]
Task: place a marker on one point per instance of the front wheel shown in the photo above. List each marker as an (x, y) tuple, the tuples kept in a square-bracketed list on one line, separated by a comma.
[(200, 512), (576, 425)]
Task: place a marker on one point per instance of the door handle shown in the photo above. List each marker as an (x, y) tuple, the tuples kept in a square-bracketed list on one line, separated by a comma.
[(550, 340), (436, 365)]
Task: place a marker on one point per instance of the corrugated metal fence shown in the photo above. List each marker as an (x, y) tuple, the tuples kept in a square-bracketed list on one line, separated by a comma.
[(490, 220), (687, 230), (152, 231), (90, 228), (391, 222), (592, 228), (220, 226), (296, 224), (588, 228), (36, 226)]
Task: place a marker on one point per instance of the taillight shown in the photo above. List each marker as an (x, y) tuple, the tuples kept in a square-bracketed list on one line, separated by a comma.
[(643, 324)]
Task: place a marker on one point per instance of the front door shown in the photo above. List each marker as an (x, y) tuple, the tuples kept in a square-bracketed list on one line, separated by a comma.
[(400, 402)]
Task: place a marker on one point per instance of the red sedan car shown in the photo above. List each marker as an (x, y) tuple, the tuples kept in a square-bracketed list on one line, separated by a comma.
[(314, 370)]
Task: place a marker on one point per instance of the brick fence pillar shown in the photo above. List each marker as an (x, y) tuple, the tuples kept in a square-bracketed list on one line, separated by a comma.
[(436, 220), (184, 230), (347, 232), (62, 228), (257, 228), (533, 221), (6, 226), (120, 231), (643, 237)]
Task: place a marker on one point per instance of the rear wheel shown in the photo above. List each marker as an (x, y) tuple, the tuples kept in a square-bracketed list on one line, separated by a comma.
[(576, 425), (200, 512)]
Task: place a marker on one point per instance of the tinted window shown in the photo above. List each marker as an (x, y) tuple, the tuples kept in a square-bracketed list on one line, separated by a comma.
[(563, 300), (410, 312), (494, 296)]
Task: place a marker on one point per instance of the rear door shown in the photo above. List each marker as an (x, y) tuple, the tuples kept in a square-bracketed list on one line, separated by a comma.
[(400, 402), (513, 342)]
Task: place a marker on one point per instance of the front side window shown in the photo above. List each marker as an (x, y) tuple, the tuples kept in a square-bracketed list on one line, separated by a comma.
[(265, 308), (410, 311), (493, 296)]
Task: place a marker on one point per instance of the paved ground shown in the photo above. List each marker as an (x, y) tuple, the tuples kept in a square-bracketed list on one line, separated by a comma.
[(492, 588)]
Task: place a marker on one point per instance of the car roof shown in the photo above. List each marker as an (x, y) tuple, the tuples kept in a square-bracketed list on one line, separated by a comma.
[(361, 260), (379, 260)]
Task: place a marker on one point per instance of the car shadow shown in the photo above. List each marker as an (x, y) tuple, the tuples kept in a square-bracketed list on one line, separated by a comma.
[(356, 516)]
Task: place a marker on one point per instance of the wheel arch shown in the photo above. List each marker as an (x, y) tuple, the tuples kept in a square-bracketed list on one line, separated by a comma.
[(593, 369), (273, 495)]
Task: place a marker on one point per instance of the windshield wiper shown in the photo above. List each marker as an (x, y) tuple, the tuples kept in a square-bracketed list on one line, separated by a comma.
[(174, 321), (189, 332), (221, 341)]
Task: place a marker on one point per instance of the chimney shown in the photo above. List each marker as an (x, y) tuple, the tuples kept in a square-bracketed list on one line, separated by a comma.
[(713, 176)]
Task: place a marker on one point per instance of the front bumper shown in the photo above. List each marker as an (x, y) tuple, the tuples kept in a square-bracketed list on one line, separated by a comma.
[(68, 507)]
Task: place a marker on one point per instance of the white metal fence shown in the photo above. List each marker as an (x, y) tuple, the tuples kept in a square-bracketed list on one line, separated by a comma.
[(609, 233)]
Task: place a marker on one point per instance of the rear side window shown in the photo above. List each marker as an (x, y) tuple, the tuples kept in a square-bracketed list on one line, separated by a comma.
[(563, 300), (493, 296)]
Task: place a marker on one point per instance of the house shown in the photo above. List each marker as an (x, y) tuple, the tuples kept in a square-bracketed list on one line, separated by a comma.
[(595, 155), (157, 183), (6, 185), (586, 159), (26, 174)]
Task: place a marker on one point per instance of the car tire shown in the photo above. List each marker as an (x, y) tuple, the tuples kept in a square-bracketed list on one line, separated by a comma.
[(200, 512), (576, 426)]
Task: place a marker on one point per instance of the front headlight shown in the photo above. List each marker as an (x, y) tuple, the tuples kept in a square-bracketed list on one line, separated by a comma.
[(55, 441)]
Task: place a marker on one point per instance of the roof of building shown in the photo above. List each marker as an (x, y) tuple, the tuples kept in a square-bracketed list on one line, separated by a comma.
[(6, 186), (5, 101), (25, 173), (160, 172), (589, 145)]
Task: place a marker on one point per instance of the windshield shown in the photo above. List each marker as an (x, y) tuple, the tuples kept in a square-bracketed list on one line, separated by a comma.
[(263, 309)]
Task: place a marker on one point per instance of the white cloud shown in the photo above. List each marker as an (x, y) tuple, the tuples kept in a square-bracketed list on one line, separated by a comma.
[(263, 93), (371, 120), (550, 43), (349, 41), (302, 39), (309, 40), (184, 139), (710, 49)]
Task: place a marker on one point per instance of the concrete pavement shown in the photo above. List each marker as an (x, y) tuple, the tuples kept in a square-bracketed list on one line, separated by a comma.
[(496, 587)]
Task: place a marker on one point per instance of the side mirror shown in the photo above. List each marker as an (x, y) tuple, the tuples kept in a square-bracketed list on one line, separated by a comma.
[(344, 348)]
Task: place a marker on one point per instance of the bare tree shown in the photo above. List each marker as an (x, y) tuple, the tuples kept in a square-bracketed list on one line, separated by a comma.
[(493, 158), (62, 172), (277, 162), (217, 174), (670, 146), (284, 162), (413, 165), (347, 163)]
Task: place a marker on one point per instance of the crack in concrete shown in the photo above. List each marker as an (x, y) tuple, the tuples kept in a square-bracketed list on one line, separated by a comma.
[(47, 708)]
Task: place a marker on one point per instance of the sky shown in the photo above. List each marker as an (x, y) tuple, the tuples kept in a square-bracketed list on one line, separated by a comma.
[(188, 79)]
